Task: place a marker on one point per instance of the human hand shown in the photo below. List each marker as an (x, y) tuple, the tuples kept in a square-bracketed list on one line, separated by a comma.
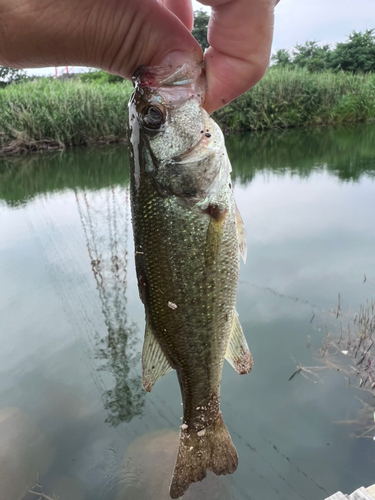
[(120, 35)]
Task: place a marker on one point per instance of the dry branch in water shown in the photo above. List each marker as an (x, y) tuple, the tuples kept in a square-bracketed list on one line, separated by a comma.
[(352, 352), (37, 492)]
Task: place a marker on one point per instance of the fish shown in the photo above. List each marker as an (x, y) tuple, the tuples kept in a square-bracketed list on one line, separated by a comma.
[(188, 237)]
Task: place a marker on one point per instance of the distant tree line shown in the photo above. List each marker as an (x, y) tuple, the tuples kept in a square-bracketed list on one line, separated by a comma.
[(199, 32), (9, 75), (356, 55)]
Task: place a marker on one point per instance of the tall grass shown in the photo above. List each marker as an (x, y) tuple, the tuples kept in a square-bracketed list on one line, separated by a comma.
[(50, 114), (295, 98)]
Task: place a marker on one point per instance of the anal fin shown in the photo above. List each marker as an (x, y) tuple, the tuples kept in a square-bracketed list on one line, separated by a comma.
[(154, 362), (241, 231), (237, 353)]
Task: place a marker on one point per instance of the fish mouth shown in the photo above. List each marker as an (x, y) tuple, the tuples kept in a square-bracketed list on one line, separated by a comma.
[(175, 86)]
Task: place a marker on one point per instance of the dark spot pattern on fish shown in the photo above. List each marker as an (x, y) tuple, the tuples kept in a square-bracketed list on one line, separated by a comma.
[(215, 212)]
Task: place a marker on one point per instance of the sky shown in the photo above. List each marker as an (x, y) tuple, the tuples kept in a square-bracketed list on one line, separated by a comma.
[(326, 21)]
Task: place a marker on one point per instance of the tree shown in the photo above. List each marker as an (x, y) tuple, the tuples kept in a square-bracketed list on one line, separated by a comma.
[(357, 54), (9, 75), (282, 58), (312, 56), (201, 19)]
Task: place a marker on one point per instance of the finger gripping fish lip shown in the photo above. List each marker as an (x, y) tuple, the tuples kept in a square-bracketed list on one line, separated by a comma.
[(172, 86)]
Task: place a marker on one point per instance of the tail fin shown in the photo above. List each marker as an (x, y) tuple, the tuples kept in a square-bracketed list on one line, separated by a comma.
[(209, 449)]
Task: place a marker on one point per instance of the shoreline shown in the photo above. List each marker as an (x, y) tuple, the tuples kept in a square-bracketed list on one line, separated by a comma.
[(49, 146), (50, 115)]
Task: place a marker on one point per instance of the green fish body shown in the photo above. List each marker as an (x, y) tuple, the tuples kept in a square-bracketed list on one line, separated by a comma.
[(188, 238)]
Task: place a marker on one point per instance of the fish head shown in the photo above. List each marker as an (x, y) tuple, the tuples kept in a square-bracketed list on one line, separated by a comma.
[(174, 140)]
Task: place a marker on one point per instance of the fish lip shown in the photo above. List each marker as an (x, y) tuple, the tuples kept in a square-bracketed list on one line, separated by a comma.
[(155, 77), (174, 86)]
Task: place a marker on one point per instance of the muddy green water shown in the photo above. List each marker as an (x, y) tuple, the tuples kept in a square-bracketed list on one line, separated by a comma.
[(73, 414)]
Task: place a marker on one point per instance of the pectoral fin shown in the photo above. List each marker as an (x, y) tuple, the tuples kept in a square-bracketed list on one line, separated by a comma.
[(241, 231), (154, 362), (238, 354)]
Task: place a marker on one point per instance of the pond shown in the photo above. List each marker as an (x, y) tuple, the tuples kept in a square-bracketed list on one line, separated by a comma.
[(75, 422)]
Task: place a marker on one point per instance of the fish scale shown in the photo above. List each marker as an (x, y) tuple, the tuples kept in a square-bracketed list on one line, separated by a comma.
[(169, 280)]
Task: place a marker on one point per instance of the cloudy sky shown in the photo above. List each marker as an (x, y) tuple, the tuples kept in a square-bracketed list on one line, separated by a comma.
[(326, 21)]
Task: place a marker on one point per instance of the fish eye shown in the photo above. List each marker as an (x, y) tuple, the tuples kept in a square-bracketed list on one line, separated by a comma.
[(153, 117)]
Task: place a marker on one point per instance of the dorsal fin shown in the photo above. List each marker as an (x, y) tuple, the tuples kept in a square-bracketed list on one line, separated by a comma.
[(241, 231), (237, 353), (154, 362)]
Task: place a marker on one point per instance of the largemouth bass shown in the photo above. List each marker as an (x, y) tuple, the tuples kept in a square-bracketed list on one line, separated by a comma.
[(188, 238)]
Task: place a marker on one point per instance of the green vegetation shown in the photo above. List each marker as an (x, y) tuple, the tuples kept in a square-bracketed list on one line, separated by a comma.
[(10, 75), (50, 114), (201, 19), (99, 77), (295, 98), (356, 55), (45, 114)]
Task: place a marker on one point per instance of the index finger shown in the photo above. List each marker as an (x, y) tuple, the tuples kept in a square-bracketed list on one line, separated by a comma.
[(240, 37)]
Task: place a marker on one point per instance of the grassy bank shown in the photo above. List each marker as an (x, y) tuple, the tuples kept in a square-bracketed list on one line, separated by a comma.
[(47, 114), (54, 114), (297, 98)]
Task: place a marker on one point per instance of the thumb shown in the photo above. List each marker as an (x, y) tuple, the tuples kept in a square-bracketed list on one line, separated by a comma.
[(149, 35)]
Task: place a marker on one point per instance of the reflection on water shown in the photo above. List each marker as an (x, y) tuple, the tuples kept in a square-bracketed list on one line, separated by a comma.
[(148, 468), (24, 452), (23, 178), (105, 221), (71, 326), (345, 152), (349, 348)]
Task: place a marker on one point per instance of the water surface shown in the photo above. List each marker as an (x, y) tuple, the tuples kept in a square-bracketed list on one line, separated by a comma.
[(73, 414)]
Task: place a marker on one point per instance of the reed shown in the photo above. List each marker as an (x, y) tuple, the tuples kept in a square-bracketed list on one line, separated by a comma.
[(45, 114), (295, 98), (50, 114)]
